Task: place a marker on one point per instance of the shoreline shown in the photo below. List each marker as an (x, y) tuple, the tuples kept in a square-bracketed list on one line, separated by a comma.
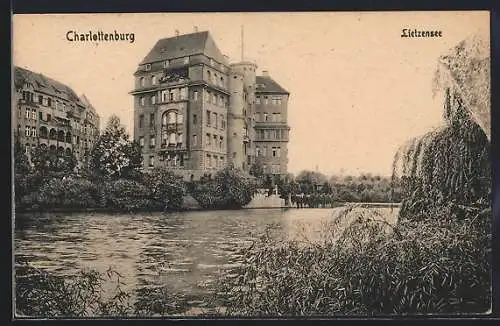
[(184, 209)]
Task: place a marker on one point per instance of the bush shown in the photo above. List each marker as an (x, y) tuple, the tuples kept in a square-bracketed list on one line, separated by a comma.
[(229, 189), (125, 194), (166, 188), (69, 192), (439, 265)]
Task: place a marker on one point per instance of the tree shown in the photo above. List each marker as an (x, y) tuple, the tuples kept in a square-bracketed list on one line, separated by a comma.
[(114, 155), (166, 187), (257, 169)]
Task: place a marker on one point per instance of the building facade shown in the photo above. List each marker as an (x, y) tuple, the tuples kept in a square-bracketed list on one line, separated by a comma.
[(48, 113), (195, 112)]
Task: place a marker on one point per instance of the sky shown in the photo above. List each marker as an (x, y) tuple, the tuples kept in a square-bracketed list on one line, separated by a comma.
[(358, 89)]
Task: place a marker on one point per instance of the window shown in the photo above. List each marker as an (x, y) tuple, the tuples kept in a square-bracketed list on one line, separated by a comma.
[(209, 140), (222, 81), (212, 63), (27, 149), (195, 140), (207, 96), (27, 131), (264, 151), (164, 96), (143, 101), (173, 138), (151, 120), (266, 100), (27, 113), (221, 143), (195, 119), (170, 115), (257, 151), (141, 121), (180, 118), (223, 124), (276, 117), (195, 95), (152, 141), (141, 81), (148, 67), (33, 131), (179, 138), (275, 169), (209, 161), (266, 118), (186, 60), (221, 162), (274, 151), (141, 141), (208, 118), (40, 99), (278, 151), (214, 98), (171, 96), (153, 80), (214, 119), (209, 76), (221, 118), (153, 99), (215, 141), (151, 161), (166, 64)]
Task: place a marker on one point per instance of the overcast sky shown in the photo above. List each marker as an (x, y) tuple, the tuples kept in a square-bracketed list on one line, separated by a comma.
[(358, 90)]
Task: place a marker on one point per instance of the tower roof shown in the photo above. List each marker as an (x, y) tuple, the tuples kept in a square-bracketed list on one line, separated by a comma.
[(184, 45), (266, 84)]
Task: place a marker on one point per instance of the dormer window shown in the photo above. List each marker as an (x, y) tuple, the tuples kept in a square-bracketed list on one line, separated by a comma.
[(186, 60), (148, 67), (212, 63), (166, 63)]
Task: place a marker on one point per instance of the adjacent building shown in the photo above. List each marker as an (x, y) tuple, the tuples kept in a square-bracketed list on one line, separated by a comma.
[(196, 112), (48, 113)]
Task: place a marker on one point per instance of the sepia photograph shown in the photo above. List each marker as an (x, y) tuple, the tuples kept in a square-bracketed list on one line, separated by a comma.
[(251, 164)]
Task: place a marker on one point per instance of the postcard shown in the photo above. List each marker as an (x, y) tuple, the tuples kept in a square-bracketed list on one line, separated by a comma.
[(264, 164)]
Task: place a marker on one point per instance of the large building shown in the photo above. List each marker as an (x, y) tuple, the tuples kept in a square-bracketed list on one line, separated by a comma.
[(48, 113), (196, 112)]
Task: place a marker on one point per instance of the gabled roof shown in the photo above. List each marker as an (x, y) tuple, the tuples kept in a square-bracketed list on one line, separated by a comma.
[(43, 84), (184, 45), (265, 84)]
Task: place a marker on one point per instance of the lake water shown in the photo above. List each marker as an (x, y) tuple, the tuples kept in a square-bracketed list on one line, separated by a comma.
[(185, 251)]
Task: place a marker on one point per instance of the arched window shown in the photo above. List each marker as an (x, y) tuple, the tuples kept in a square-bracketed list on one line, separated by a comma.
[(153, 80), (53, 134), (141, 81), (68, 137), (60, 135)]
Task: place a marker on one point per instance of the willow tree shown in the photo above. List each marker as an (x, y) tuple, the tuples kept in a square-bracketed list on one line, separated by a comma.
[(450, 165)]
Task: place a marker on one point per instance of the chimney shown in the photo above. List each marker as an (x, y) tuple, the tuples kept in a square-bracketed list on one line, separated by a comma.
[(265, 73), (196, 29), (176, 32)]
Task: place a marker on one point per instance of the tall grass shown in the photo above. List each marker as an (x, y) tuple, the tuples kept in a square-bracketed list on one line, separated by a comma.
[(415, 267)]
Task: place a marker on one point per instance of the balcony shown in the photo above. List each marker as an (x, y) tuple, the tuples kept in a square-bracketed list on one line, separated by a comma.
[(172, 147)]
